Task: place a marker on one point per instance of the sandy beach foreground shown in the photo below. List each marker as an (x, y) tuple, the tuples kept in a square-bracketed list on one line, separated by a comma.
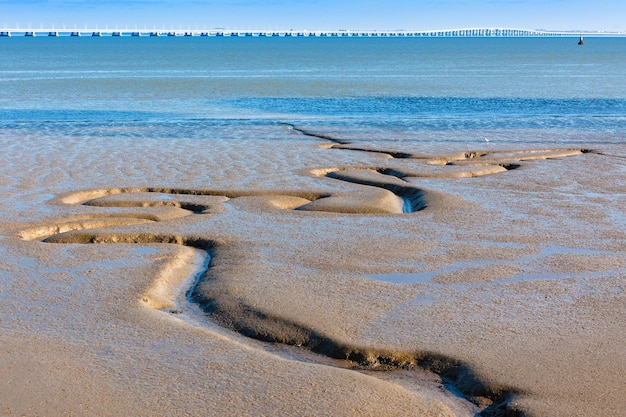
[(185, 278)]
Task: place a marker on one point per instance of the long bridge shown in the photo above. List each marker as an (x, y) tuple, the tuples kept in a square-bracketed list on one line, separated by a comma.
[(465, 32)]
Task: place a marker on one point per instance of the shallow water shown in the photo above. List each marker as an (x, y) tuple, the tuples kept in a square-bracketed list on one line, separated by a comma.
[(430, 277), (417, 90)]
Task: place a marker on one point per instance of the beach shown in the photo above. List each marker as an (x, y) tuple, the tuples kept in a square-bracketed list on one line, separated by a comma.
[(82, 333), (309, 266)]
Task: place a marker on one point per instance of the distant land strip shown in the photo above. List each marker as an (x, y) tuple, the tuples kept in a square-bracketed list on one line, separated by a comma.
[(463, 32)]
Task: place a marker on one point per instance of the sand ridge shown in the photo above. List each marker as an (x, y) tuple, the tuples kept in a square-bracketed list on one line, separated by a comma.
[(491, 400)]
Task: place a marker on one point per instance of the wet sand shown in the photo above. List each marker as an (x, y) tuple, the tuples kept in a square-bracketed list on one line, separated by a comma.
[(163, 278)]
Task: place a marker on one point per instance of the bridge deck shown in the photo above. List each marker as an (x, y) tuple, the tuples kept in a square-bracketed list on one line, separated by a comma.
[(466, 32)]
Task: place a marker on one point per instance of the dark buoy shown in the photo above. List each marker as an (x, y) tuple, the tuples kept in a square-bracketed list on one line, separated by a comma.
[(581, 41)]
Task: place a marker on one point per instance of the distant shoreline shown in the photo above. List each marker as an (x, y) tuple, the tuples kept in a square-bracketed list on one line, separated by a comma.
[(451, 33)]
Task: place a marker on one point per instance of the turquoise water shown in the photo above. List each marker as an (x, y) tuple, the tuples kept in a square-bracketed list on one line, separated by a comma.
[(533, 90)]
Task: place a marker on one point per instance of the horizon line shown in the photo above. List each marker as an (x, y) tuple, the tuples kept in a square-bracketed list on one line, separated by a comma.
[(163, 28)]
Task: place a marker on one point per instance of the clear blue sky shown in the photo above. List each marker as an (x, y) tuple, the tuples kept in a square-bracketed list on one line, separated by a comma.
[(609, 15)]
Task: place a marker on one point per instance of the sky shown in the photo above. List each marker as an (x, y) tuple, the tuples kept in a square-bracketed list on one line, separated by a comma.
[(592, 15)]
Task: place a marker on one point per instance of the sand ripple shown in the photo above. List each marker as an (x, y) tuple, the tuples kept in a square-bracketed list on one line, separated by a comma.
[(121, 215)]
